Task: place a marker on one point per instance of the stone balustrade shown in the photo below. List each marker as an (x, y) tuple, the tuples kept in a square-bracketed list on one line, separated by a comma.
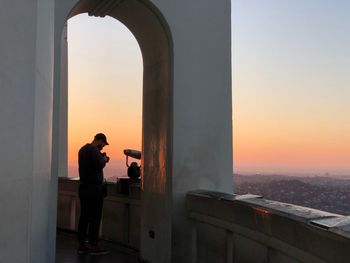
[(121, 212), (231, 228), (225, 228)]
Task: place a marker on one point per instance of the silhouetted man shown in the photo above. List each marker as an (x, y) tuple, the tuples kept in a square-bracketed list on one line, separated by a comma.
[(91, 194)]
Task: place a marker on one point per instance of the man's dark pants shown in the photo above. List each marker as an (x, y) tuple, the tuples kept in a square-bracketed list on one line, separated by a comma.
[(91, 204)]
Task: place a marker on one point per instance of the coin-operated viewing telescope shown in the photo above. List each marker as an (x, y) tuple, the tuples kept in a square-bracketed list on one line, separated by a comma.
[(134, 170)]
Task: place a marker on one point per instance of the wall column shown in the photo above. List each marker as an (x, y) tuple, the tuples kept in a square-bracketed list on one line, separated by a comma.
[(26, 80), (63, 129)]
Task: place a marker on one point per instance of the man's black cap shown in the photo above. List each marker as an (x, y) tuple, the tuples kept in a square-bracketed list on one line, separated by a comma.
[(101, 137)]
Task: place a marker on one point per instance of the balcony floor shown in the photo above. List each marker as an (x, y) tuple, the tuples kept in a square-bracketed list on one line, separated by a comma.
[(66, 251)]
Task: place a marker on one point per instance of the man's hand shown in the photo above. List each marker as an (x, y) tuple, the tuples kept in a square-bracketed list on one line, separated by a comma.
[(105, 157)]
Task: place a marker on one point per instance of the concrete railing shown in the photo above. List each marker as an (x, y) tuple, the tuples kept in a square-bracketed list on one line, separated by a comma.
[(121, 213), (248, 228), (226, 228)]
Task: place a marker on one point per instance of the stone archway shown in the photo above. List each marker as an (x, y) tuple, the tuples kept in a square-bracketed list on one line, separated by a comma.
[(187, 117), (151, 31)]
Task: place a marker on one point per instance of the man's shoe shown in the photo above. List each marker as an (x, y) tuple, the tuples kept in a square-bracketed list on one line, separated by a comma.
[(97, 251), (83, 250)]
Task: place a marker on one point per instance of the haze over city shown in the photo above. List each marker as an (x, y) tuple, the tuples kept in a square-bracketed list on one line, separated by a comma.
[(289, 77)]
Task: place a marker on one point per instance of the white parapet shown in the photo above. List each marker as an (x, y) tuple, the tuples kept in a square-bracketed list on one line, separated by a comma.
[(247, 228)]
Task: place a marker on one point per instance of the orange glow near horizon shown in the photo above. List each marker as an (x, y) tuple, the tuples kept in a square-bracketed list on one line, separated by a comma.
[(304, 145)]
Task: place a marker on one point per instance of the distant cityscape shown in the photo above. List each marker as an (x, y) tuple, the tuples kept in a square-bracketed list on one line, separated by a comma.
[(327, 193), (331, 194)]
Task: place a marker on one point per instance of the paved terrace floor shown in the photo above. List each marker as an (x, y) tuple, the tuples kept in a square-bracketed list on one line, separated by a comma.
[(66, 252)]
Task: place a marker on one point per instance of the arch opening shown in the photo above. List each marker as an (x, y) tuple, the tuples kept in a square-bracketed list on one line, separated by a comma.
[(153, 36), (104, 90)]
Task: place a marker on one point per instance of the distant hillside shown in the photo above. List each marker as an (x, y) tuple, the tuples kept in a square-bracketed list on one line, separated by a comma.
[(324, 193)]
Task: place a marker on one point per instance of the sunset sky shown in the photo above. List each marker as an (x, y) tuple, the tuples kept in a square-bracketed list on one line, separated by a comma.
[(105, 89), (291, 89)]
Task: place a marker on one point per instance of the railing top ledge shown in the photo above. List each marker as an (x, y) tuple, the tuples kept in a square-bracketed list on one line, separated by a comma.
[(221, 195), (76, 179), (257, 204), (61, 178)]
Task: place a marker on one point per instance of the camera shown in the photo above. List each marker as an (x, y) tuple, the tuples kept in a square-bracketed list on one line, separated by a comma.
[(105, 155)]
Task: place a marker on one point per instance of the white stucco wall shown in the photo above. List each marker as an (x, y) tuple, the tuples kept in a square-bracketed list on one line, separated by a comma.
[(26, 69), (202, 109)]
